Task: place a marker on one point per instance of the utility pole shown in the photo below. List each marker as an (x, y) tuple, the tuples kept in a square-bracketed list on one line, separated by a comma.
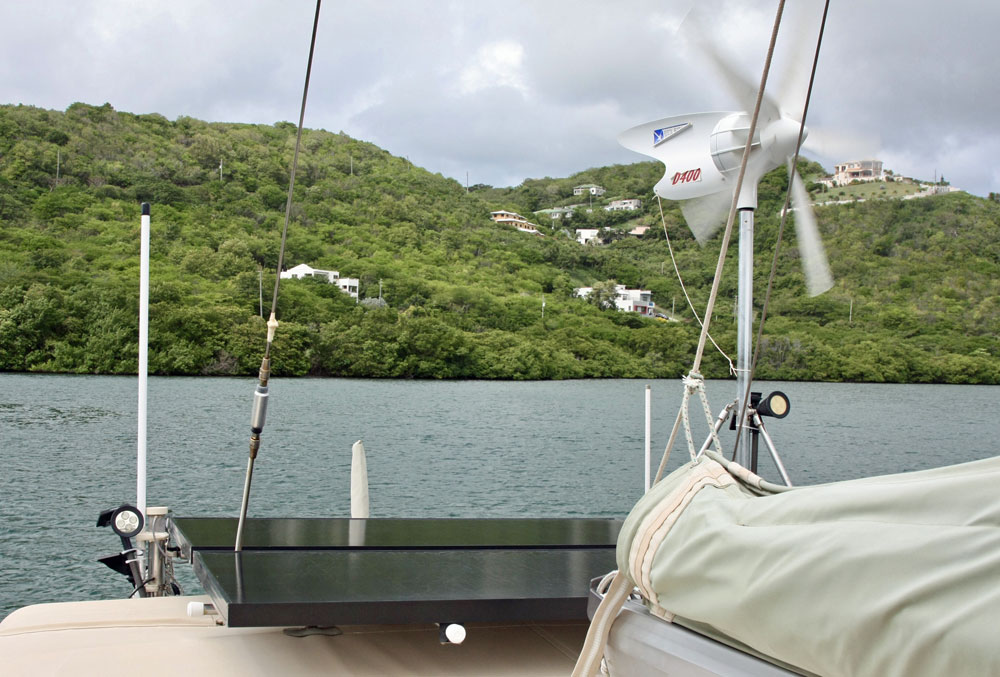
[(260, 289), (220, 170)]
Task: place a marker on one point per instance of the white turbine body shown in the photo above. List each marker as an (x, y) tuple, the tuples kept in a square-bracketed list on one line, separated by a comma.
[(702, 153)]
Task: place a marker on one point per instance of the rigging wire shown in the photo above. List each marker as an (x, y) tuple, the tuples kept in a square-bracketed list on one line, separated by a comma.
[(257, 416), (291, 180), (781, 225)]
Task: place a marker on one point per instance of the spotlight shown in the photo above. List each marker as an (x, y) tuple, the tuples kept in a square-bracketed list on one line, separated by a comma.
[(776, 404), (126, 521)]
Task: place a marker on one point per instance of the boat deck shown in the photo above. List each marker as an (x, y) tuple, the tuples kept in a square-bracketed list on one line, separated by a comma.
[(106, 637)]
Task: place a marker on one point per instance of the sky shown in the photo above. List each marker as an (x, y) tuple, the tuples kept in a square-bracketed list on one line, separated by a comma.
[(496, 92)]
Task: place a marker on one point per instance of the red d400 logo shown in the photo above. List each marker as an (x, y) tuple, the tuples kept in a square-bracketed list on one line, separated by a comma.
[(687, 177)]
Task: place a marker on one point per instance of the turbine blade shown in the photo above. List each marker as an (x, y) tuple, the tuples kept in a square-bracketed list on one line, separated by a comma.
[(814, 263), (793, 56), (740, 85), (840, 145), (704, 215)]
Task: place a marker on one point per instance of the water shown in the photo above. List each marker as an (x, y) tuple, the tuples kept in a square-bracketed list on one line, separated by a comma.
[(467, 448)]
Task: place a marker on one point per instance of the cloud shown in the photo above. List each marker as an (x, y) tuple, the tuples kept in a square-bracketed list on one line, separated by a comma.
[(496, 64), (520, 89)]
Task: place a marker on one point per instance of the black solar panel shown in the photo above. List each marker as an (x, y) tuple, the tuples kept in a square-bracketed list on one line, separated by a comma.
[(342, 571)]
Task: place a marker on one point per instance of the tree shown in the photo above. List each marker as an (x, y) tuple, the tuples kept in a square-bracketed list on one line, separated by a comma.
[(604, 294)]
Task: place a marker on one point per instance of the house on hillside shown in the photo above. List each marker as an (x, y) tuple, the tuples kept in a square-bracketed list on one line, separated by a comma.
[(861, 170), (626, 300), (558, 212), (514, 219), (629, 205), (591, 188), (348, 285), (585, 235)]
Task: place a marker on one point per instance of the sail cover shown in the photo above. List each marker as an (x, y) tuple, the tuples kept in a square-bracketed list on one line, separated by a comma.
[(892, 575)]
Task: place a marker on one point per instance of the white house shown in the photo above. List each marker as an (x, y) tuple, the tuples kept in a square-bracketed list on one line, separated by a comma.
[(860, 170), (513, 219), (585, 235), (348, 285), (558, 212), (629, 205), (634, 300), (627, 300), (591, 188)]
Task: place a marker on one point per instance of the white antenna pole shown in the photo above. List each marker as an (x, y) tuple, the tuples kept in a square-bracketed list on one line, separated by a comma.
[(649, 410), (140, 486)]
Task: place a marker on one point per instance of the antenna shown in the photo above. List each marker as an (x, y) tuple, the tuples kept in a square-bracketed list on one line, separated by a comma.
[(140, 490)]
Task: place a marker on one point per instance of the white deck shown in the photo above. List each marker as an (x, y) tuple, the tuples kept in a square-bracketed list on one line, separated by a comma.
[(154, 636)]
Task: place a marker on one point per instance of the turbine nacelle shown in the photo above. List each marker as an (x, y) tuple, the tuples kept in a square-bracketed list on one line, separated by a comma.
[(702, 153)]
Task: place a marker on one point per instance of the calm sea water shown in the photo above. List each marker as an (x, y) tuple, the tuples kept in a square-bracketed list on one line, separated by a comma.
[(466, 448)]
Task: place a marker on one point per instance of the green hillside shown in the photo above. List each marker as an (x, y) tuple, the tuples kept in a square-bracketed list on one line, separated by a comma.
[(916, 297)]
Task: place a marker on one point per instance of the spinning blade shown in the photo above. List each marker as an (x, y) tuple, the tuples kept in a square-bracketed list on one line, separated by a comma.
[(701, 154), (814, 263)]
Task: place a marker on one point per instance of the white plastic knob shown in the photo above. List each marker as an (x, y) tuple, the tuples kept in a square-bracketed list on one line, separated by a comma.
[(455, 633)]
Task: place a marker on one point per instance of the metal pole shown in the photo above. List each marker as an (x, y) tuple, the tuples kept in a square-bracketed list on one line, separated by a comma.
[(723, 415), (744, 331), (774, 452), (140, 482)]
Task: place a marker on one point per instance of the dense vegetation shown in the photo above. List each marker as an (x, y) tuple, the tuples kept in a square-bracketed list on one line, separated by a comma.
[(917, 296)]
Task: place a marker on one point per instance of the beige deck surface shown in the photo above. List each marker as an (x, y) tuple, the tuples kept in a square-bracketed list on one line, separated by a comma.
[(156, 637)]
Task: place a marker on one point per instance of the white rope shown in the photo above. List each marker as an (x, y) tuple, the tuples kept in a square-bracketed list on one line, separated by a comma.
[(695, 383), (680, 280)]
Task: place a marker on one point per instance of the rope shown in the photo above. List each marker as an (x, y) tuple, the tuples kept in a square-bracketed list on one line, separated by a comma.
[(781, 226), (680, 280), (695, 383)]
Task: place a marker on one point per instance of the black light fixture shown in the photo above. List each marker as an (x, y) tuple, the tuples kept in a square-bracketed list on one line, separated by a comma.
[(776, 404), (126, 520)]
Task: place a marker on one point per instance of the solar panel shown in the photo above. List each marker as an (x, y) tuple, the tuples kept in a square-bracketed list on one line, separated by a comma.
[(333, 571)]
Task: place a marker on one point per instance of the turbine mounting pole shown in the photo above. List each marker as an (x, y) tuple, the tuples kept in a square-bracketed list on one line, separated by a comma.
[(744, 332)]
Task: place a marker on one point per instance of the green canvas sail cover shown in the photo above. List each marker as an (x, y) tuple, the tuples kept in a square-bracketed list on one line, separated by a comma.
[(892, 575)]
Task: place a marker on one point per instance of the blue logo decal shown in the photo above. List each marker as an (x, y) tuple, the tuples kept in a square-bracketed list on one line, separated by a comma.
[(665, 133)]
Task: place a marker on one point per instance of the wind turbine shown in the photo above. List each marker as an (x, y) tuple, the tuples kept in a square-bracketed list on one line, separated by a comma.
[(702, 153)]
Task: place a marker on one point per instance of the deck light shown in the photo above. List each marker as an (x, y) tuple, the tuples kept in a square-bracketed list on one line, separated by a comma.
[(776, 404), (127, 521)]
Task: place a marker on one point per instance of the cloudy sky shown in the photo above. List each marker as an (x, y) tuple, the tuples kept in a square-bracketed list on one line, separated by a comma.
[(506, 90)]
